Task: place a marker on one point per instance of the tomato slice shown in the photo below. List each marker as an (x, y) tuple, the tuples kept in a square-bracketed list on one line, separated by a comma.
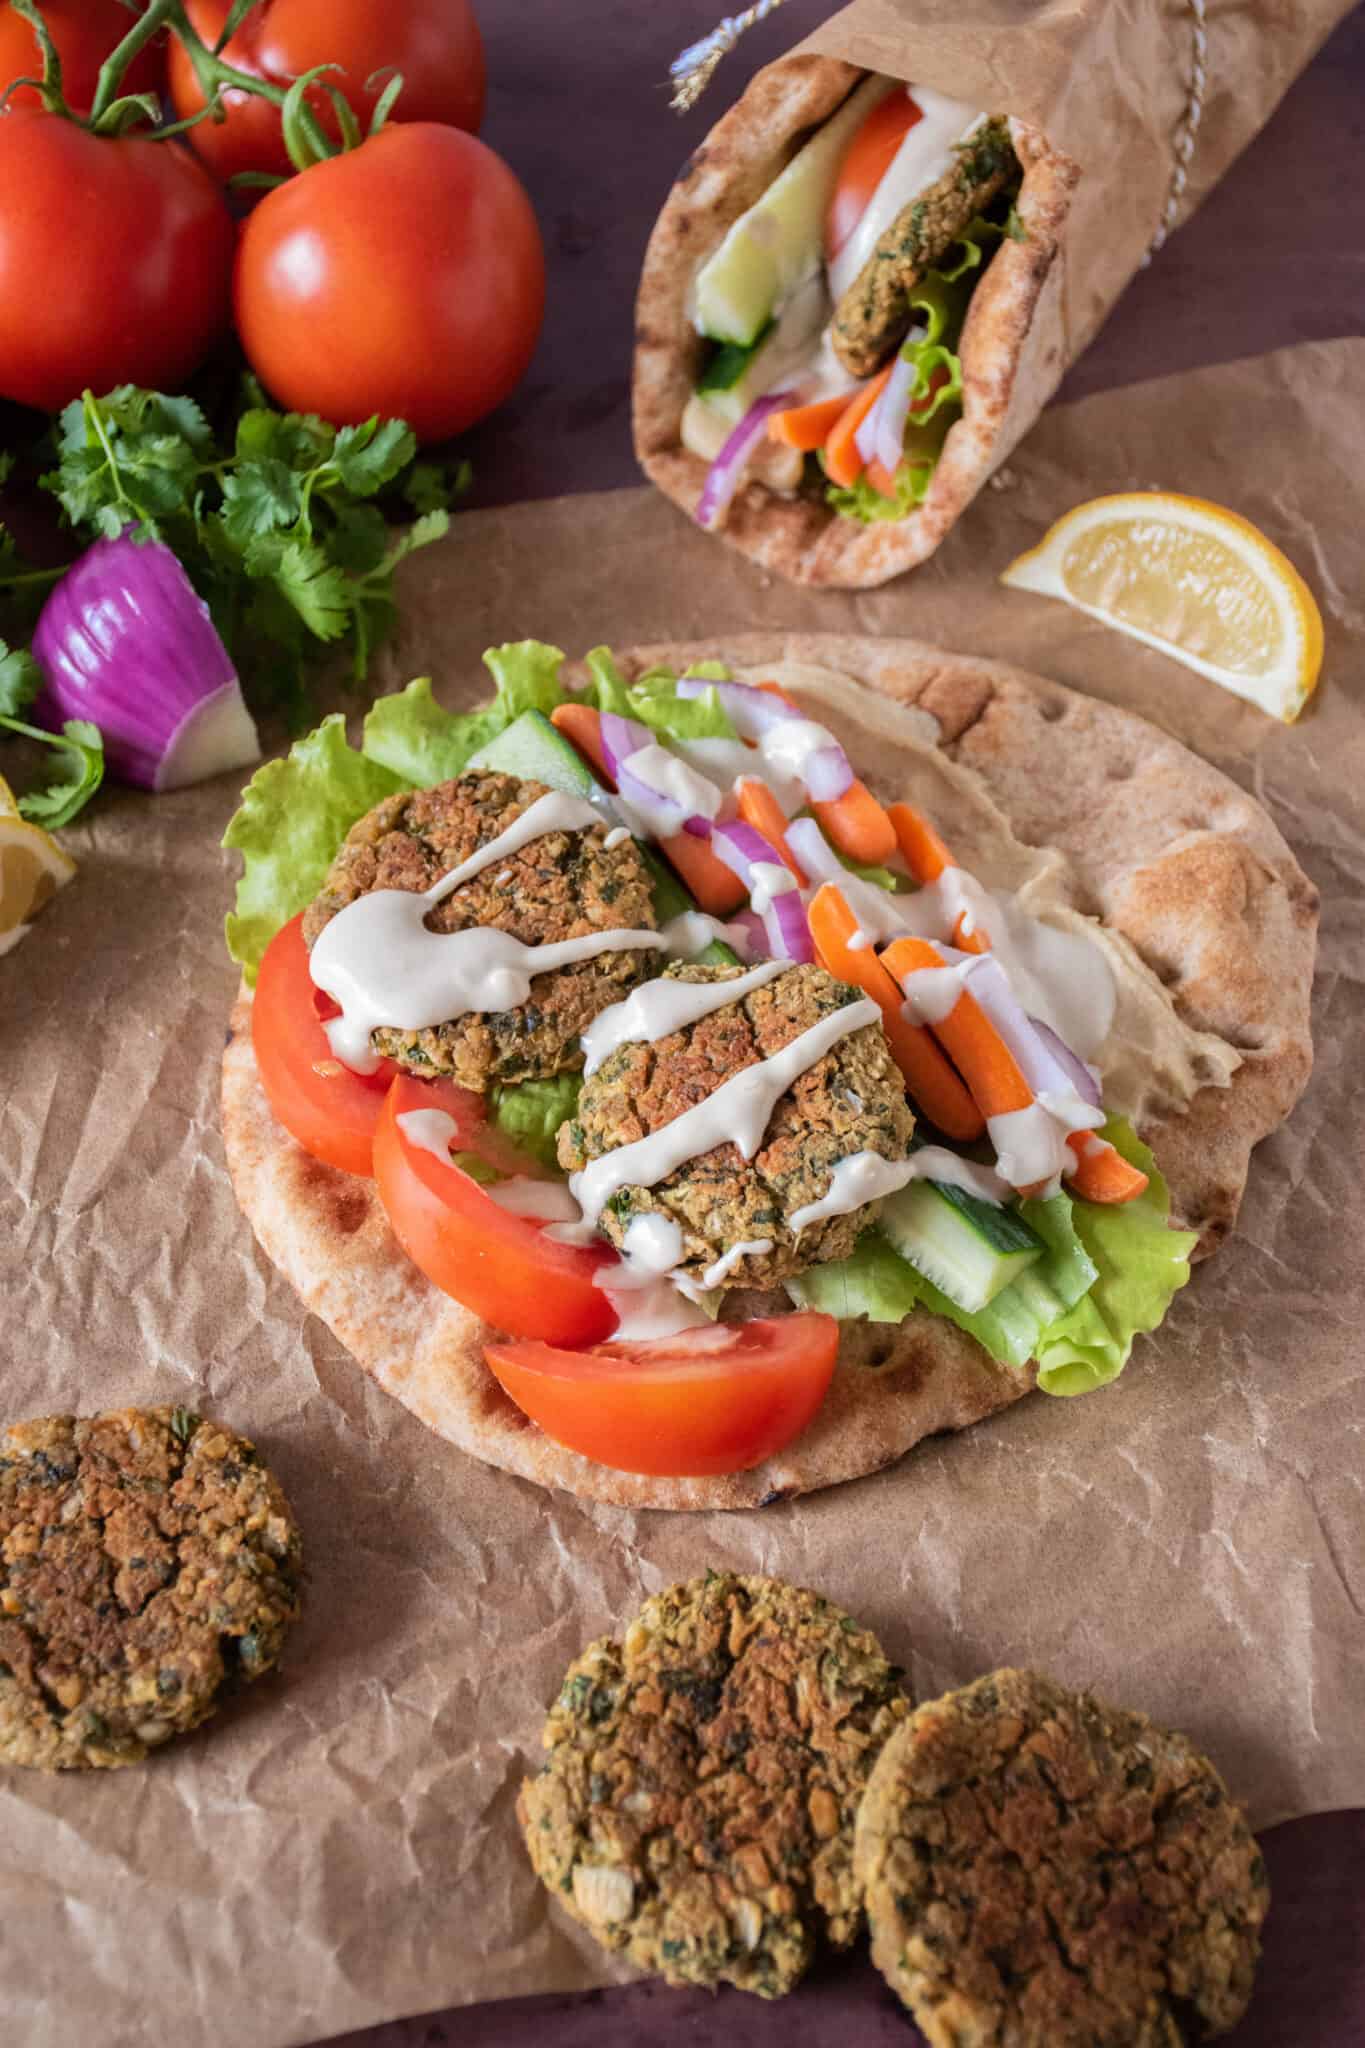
[(720, 1398), (493, 1261), (866, 162), (328, 1107)]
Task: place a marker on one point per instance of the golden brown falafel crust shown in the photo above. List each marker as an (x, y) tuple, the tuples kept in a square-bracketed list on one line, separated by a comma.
[(147, 1558), (851, 1100), (696, 1806), (873, 315), (1045, 1871), (560, 886)]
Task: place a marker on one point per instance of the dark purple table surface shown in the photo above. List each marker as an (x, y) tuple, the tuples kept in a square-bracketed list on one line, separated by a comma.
[(1277, 255)]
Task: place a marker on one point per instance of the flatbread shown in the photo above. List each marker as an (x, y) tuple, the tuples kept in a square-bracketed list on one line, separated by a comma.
[(1013, 346), (1167, 852)]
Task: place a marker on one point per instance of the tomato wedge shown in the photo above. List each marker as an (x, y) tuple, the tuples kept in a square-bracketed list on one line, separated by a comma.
[(866, 161), (329, 1108), (720, 1398), (490, 1259)]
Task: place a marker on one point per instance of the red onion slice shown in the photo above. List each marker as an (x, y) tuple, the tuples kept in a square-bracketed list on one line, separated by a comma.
[(1044, 1072), (824, 773), (723, 477), (1084, 1078), (621, 739), (892, 413), (783, 914)]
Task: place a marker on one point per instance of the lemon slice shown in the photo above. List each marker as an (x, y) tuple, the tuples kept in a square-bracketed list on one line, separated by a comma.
[(1192, 579), (32, 868)]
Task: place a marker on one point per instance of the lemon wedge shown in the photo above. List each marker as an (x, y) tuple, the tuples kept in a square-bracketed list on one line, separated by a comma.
[(32, 868), (1192, 579)]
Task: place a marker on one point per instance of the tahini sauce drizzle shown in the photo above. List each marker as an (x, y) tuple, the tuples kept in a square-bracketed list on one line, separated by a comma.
[(658, 1008), (377, 959)]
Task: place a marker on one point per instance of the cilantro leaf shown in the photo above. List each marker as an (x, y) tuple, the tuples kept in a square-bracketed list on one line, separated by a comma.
[(20, 680), (80, 771), (369, 456), (258, 497)]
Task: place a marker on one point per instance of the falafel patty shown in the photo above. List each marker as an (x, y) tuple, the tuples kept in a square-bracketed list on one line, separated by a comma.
[(563, 885), (696, 1806), (1044, 1871), (851, 1100), (147, 1559), (873, 315)]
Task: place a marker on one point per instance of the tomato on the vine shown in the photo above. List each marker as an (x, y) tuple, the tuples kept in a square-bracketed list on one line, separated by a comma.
[(135, 242), (405, 277), (435, 44), (85, 33)]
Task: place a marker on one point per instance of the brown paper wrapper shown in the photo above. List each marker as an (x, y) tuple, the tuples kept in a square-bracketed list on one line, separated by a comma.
[(340, 1847), (1153, 99)]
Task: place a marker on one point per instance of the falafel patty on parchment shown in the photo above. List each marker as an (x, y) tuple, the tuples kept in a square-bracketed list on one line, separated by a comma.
[(696, 1805), (561, 885), (1042, 1870), (148, 1561), (851, 1100)]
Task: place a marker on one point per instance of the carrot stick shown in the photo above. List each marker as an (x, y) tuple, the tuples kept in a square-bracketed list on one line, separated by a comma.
[(858, 825), (936, 1088), (881, 478), (718, 889), (927, 855), (966, 1034), (1101, 1173), (759, 807), (843, 463), (805, 426)]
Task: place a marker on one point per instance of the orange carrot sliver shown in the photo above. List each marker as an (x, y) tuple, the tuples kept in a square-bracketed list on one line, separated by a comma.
[(759, 807), (966, 1034), (805, 426), (1101, 1173), (937, 1090), (858, 825), (843, 463), (926, 855), (718, 889), (881, 478)]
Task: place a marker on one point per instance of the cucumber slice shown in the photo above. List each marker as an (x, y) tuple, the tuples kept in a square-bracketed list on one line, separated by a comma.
[(970, 1249), (779, 242), (534, 750)]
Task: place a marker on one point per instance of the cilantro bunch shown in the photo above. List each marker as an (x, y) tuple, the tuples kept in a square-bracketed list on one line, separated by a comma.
[(276, 522)]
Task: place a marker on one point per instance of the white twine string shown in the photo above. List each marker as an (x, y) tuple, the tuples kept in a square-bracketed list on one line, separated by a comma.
[(693, 70), (1188, 127)]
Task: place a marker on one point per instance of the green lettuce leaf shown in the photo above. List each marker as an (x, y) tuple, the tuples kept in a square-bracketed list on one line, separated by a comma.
[(531, 1112), (1108, 1274), (413, 736), (653, 699), (293, 816), (1142, 1264), (940, 299)]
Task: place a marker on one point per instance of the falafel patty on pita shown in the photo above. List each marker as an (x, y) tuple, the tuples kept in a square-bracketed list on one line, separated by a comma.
[(848, 315), (952, 1004)]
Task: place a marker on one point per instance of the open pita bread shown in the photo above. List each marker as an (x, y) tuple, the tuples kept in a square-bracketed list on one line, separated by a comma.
[(1185, 873), (1013, 346)]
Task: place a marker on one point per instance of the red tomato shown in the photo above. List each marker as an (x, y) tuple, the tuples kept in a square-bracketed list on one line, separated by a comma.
[(330, 1109), (716, 1399), (85, 32), (435, 44), (405, 278), (500, 1265), (115, 261), (865, 164)]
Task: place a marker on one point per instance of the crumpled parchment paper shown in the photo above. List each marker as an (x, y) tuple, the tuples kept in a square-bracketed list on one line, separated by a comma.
[(340, 1846)]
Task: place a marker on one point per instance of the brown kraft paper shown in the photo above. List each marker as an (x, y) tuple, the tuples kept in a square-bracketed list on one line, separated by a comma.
[(340, 1846)]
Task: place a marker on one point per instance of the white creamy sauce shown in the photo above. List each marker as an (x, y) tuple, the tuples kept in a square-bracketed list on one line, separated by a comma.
[(546, 1201), (785, 749), (1031, 1144), (658, 1008), (865, 1177), (692, 931), (431, 1130), (617, 836), (678, 786), (726, 762), (639, 1287), (925, 156), (737, 1112), (377, 959), (768, 880), (931, 993), (859, 943), (719, 1271)]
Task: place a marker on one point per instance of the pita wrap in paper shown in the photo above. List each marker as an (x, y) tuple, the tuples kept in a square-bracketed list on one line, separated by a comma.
[(1121, 120), (340, 1846), (1203, 911)]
